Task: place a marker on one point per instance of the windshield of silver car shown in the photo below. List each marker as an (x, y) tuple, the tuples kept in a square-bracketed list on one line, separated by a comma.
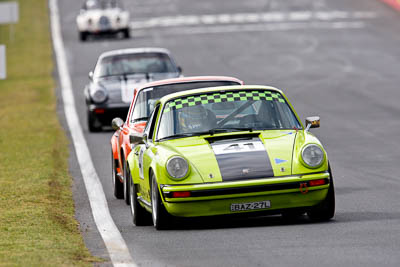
[(135, 63)]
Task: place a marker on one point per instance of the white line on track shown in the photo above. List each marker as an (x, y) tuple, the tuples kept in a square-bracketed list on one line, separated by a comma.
[(242, 18), (255, 28), (112, 238)]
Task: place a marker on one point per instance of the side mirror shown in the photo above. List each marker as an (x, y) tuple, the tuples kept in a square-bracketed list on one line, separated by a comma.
[(312, 122), (90, 75), (117, 123), (180, 70), (136, 139)]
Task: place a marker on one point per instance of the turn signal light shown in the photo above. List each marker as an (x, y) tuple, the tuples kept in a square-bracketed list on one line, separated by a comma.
[(181, 194), (317, 182)]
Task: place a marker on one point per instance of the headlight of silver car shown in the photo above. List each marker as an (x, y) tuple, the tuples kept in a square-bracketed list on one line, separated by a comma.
[(177, 167), (312, 155), (99, 95)]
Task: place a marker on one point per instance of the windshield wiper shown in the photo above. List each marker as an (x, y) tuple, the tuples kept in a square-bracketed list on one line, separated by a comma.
[(177, 136), (210, 132), (141, 119), (109, 75), (125, 74), (231, 129)]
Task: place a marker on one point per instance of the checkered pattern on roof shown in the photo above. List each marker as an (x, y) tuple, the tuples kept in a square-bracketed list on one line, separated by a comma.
[(218, 97)]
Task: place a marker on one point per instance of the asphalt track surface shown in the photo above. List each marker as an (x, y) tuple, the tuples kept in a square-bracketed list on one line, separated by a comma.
[(341, 66)]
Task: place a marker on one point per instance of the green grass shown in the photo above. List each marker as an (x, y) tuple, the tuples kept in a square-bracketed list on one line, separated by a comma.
[(37, 224)]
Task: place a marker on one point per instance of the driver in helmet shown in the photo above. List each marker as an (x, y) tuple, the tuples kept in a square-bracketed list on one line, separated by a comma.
[(194, 119)]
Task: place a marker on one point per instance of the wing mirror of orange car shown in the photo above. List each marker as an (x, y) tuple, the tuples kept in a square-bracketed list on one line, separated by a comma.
[(137, 139), (117, 123), (312, 122)]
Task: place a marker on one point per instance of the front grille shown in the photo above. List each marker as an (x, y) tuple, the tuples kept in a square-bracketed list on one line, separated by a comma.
[(114, 96), (104, 22)]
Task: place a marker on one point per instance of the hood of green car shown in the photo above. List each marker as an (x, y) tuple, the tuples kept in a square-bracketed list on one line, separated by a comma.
[(237, 156)]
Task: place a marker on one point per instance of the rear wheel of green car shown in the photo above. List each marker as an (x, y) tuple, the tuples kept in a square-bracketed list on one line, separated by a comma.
[(127, 181), (161, 218), (117, 185), (326, 210), (139, 214)]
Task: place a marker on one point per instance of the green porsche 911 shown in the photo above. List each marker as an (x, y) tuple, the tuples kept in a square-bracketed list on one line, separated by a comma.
[(228, 150)]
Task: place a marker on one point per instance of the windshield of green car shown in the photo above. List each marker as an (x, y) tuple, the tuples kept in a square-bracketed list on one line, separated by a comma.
[(226, 111), (135, 63), (147, 97)]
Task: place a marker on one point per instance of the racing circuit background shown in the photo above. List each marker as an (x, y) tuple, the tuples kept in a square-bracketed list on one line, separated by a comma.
[(338, 59)]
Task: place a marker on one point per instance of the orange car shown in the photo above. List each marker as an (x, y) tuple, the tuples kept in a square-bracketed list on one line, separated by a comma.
[(140, 109)]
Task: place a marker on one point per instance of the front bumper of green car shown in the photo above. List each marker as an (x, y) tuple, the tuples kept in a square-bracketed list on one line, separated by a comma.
[(270, 195)]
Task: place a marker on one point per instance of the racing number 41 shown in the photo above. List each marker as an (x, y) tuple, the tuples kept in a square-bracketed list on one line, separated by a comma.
[(240, 147)]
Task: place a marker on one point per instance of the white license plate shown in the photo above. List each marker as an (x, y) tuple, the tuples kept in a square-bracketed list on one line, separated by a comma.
[(251, 205)]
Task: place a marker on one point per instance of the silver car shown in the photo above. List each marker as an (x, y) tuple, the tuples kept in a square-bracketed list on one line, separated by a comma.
[(116, 74)]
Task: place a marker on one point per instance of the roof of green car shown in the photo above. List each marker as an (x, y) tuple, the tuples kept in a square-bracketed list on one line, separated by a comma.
[(166, 98)]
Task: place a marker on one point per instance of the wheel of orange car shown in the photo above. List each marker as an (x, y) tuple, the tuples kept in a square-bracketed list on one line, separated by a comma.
[(139, 214), (161, 218), (117, 185), (127, 181), (326, 210)]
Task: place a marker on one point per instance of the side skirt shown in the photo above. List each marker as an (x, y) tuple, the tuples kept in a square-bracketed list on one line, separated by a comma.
[(145, 203)]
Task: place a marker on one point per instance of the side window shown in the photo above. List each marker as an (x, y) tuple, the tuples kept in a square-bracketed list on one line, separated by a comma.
[(149, 130)]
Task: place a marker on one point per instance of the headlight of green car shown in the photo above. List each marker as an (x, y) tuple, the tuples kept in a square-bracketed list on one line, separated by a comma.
[(177, 167), (312, 156)]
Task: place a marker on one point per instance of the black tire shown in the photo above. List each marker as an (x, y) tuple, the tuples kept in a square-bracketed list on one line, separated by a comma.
[(140, 216), (93, 125), (126, 33), (83, 36), (326, 210), (292, 215), (127, 181), (161, 218), (117, 185)]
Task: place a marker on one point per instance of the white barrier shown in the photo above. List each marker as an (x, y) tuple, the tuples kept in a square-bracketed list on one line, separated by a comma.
[(3, 72)]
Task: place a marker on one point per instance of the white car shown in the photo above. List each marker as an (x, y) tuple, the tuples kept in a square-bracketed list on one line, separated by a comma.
[(102, 16)]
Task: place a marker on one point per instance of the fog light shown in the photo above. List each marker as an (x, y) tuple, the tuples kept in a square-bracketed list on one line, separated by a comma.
[(317, 182), (181, 194)]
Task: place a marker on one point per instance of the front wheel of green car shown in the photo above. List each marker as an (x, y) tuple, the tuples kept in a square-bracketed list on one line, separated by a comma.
[(326, 210), (292, 215), (140, 216), (159, 214)]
